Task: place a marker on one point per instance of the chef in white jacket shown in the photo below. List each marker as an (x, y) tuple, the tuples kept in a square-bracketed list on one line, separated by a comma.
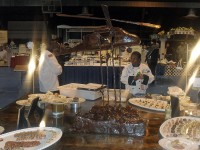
[(136, 76), (3, 54), (49, 69)]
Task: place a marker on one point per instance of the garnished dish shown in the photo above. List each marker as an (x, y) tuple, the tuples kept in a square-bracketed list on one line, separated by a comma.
[(51, 98), (182, 127), (30, 138), (150, 104), (177, 144), (41, 96), (56, 99), (24, 102)]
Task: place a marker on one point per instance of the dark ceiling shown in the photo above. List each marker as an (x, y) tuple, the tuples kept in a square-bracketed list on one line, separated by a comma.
[(168, 14)]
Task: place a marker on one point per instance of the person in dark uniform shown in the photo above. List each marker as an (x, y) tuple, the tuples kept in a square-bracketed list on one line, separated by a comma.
[(152, 56)]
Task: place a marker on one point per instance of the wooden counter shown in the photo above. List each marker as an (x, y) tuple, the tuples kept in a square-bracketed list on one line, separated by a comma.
[(76, 141)]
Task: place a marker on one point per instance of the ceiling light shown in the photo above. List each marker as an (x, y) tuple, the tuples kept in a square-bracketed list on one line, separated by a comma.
[(85, 12), (191, 14)]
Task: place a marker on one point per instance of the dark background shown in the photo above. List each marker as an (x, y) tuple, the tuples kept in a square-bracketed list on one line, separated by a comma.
[(168, 14)]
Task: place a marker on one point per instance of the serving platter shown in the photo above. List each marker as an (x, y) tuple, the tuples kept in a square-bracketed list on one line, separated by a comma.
[(56, 100), (175, 143), (150, 104), (193, 112), (24, 102), (50, 135), (37, 95), (51, 98), (182, 127)]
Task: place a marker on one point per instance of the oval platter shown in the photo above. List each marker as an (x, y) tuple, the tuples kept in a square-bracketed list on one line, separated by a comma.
[(51, 136)]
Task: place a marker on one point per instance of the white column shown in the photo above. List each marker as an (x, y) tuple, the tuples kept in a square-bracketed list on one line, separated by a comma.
[(162, 50)]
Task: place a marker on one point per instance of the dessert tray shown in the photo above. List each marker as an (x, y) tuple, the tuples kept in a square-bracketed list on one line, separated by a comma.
[(150, 104), (51, 98), (175, 143), (182, 127), (30, 138)]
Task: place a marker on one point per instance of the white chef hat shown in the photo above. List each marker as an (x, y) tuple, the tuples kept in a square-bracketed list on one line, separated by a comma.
[(30, 45)]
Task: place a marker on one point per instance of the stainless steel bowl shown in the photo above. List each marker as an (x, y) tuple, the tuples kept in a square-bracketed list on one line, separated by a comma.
[(74, 107), (57, 109)]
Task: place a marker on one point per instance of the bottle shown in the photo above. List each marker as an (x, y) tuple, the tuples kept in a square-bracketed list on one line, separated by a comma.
[(168, 111), (175, 107)]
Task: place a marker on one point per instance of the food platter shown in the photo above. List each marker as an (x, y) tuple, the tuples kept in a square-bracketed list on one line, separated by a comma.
[(37, 95), (182, 127), (193, 112), (24, 102), (56, 100), (175, 143), (51, 98), (150, 104), (46, 136)]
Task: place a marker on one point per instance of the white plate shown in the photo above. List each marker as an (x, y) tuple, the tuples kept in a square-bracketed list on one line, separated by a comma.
[(181, 127), (166, 143), (52, 136), (144, 104), (24, 102), (1, 129)]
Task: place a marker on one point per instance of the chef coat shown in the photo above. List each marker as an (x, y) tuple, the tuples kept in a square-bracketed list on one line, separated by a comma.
[(49, 69), (3, 55), (139, 86)]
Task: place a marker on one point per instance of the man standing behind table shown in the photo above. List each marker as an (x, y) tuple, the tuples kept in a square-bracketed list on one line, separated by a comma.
[(3, 54), (153, 56), (136, 76), (49, 69)]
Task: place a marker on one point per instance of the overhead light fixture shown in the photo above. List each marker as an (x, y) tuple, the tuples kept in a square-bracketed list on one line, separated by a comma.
[(85, 12), (191, 14)]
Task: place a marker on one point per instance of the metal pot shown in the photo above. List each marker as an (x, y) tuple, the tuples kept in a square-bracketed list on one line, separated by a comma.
[(57, 109), (74, 107)]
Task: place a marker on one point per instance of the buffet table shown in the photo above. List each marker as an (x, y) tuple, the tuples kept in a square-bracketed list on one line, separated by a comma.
[(89, 141), (19, 60), (91, 74)]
